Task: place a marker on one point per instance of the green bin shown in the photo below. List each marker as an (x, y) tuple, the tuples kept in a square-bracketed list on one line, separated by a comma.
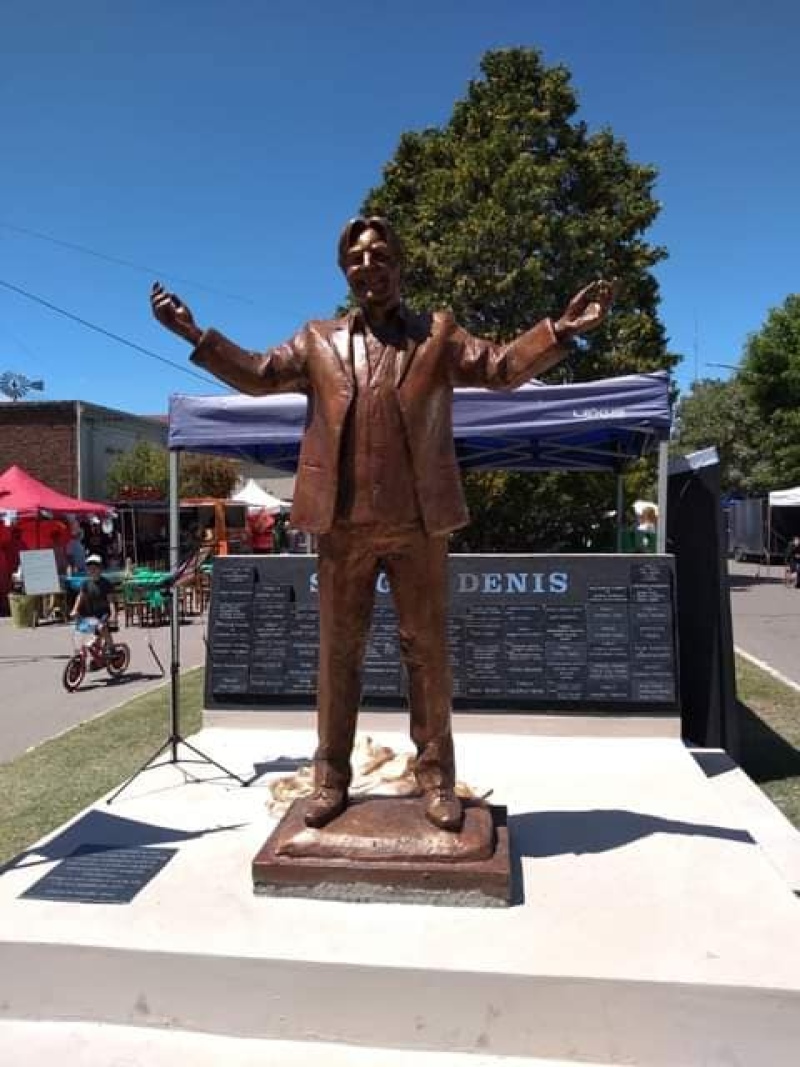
[(24, 610)]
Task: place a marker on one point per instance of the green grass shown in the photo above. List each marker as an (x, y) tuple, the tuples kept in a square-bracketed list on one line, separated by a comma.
[(45, 787), (770, 734)]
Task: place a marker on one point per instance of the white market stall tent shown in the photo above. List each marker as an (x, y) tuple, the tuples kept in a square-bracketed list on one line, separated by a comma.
[(253, 496), (785, 498), (780, 498), (759, 527)]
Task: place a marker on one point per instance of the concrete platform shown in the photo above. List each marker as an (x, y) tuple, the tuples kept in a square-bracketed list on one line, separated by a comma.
[(653, 927), (26, 1044)]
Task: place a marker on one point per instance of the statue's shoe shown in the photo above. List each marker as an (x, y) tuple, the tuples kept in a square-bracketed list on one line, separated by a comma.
[(325, 804), (444, 809)]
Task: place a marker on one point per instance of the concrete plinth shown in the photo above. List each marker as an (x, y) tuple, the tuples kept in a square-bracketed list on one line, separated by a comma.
[(657, 924)]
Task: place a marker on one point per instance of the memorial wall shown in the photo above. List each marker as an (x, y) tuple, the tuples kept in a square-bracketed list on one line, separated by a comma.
[(527, 632)]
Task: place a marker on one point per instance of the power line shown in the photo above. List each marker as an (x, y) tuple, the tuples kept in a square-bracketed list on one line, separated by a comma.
[(151, 271), (106, 333), (18, 341)]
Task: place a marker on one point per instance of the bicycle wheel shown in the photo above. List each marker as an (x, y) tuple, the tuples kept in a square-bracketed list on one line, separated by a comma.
[(118, 659), (74, 673)]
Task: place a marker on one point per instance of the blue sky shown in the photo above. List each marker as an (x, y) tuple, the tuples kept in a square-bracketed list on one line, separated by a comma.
[(226, 143)]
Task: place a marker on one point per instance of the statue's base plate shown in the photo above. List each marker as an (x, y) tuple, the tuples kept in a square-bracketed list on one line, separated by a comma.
[(383, 849)]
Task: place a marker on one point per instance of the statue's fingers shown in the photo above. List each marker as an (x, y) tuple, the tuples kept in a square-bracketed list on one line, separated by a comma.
[(586, 292), (579, 301)]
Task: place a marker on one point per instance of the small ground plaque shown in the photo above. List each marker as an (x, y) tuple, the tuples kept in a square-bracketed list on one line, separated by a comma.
[(100, 874)]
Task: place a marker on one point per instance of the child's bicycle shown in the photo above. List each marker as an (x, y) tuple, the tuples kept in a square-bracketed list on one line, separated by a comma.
[(94, 654)]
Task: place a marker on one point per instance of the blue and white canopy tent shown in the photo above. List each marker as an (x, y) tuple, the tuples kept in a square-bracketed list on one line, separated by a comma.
[(602, 425)]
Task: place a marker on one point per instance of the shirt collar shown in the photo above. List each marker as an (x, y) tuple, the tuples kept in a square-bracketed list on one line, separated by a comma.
[(402, 314)]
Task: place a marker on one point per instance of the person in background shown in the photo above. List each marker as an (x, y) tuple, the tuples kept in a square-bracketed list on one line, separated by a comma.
[(95, 606), (75, 552), (53, 602), (280, 535), (58, 543), (793, 561), (646, 530), (96, 540), (9, 559), (208, 535), (258, 531)]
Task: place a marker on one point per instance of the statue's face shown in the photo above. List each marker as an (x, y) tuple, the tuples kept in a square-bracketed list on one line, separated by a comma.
[(372, 272)]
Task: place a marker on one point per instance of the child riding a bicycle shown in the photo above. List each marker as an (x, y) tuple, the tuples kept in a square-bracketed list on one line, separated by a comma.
[(95, 607)]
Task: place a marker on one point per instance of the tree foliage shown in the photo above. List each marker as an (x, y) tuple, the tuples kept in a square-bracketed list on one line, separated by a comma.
[(143, 472), (207, 476), (505, 212), (770, 377), (723, 415), (753, 420)]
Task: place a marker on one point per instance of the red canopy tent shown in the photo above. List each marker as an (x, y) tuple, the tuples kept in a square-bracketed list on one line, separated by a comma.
[(28, 498), (24, 494)]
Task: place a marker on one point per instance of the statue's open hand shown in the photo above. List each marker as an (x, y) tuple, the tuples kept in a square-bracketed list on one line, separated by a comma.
[(586, 310), (174, 314)]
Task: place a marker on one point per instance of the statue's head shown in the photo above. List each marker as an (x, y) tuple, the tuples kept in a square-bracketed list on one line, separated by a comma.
[(370, 254)]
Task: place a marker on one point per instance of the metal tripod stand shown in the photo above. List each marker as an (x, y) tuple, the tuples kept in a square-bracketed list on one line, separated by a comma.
[(175, 738)]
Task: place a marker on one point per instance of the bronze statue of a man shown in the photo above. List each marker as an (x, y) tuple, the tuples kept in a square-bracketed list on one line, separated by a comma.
[(378, 481)]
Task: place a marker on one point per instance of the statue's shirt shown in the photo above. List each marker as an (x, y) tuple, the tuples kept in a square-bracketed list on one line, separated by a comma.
[(376, 479)]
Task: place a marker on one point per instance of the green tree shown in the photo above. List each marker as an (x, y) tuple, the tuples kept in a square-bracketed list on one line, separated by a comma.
[(723, 415), (207, 476), (504, 213), (144, 471), (770, 375)]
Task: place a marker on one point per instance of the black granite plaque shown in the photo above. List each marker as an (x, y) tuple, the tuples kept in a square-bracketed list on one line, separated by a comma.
[(97, 874), (231, 650), (524, 632), (524, 646)]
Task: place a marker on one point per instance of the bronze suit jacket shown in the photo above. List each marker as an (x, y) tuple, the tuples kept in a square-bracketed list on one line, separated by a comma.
[(439, 355)]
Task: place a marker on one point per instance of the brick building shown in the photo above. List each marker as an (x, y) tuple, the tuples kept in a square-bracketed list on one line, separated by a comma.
[(69, 444)]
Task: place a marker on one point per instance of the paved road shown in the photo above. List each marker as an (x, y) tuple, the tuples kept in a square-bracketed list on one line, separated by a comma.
[(34, 706), (766, 617)]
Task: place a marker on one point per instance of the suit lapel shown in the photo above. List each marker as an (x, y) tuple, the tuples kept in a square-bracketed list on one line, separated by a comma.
[(418, 328), (340, 343), (404, 361)]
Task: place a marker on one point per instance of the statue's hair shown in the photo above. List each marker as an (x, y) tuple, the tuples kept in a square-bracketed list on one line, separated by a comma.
[(354, 229)]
